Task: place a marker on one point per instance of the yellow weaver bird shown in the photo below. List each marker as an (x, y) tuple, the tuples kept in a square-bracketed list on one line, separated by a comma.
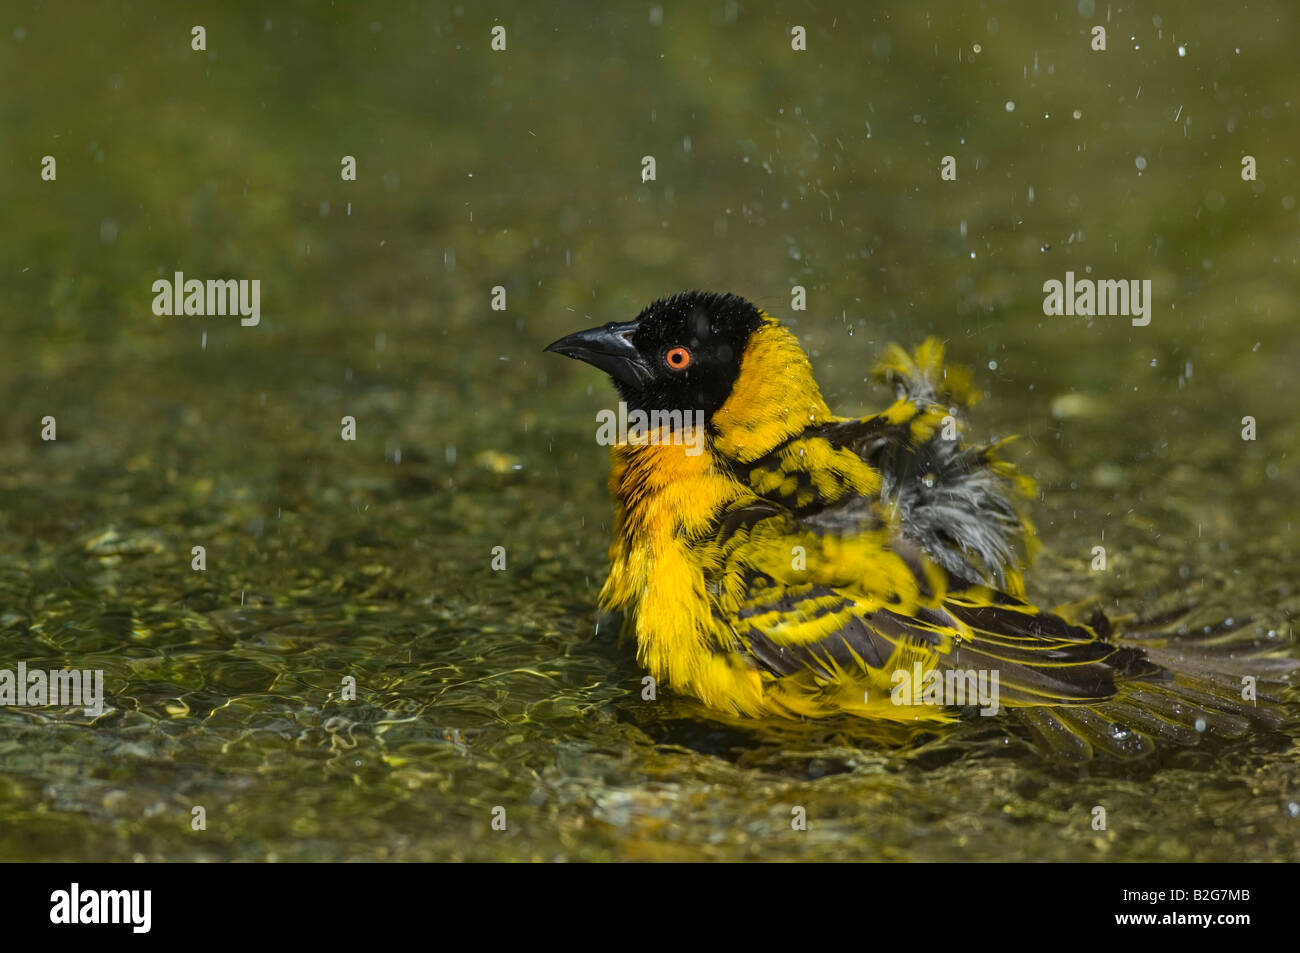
[(789, 562)]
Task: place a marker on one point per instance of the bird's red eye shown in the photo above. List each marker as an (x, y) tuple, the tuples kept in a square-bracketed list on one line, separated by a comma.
[(678, 358)]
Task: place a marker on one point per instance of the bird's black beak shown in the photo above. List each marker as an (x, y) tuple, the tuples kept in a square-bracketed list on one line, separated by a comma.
[(610, 349)]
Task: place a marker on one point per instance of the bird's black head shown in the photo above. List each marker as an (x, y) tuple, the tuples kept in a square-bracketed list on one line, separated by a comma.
[(680, 353)]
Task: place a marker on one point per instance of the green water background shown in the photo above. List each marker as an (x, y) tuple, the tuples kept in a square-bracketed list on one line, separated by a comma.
[(775, 168)]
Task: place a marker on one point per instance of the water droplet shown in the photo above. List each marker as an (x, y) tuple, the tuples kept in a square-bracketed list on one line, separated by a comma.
[(1140, 162), (1011, 106), (1200, 726)]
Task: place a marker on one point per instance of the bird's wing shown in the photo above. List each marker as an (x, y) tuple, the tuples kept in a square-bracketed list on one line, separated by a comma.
[(801, 596), (959, 502), (833, 617), (907, 465)]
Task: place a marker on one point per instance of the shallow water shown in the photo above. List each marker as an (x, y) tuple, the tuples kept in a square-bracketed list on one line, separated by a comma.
[(477, 688)]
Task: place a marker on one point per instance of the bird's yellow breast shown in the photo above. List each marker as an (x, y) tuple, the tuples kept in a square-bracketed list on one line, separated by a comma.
[(663, 556)]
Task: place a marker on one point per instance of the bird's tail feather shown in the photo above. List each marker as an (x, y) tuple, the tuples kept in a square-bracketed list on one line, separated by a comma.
[(1219, 689)]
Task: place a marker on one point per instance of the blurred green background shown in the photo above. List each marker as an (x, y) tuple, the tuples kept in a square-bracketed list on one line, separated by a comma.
[(522, 169)]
